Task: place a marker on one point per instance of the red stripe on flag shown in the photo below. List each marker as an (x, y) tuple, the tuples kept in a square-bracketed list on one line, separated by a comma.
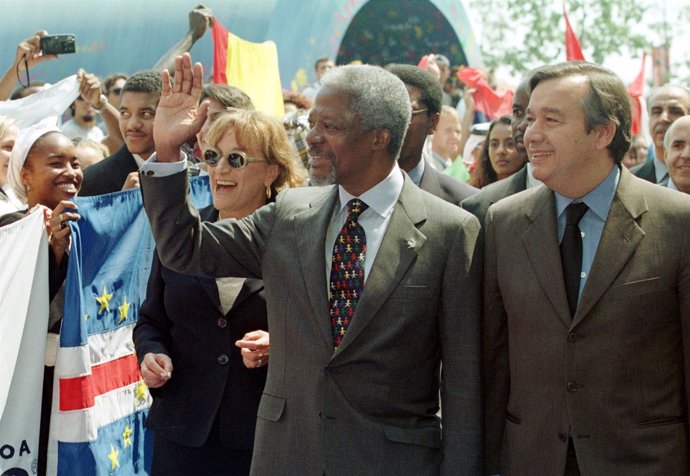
[(220, 52), (79, 393)]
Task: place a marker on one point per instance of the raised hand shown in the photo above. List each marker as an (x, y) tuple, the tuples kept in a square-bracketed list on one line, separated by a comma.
[(199, 19), (29, 50), (179, 116)]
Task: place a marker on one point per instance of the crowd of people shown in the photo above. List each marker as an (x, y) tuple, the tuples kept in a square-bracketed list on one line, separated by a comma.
[(394, 289)]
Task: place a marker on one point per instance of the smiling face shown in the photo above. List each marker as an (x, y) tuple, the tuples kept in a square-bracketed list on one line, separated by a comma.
[(239, 192), (566, 157), (503, 155), (678, 154), (137, 112), (52, 172), (337, 140)]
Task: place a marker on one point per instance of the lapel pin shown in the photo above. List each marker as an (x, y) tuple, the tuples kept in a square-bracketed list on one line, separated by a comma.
[(411, 244)]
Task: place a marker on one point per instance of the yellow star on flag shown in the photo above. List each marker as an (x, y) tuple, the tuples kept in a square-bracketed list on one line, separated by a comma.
[(140, 391), (112, 456), (104, 300), (124, 309), (127, 437)]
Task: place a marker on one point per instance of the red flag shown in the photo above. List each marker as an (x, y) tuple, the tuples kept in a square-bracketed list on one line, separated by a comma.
[(220, 52), (573, 50), (492, 103), (635, 90)]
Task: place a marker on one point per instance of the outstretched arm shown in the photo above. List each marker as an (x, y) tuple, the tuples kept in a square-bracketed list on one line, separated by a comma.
[(28, 54), (199, 20)]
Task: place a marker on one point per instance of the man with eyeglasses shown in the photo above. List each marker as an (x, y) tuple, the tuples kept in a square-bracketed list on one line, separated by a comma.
[(425, 97)]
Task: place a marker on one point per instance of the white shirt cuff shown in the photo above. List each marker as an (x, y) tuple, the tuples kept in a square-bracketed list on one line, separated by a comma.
[(153, 168)]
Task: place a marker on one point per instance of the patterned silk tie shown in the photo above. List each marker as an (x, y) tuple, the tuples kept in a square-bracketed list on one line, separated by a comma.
[(347, 271), (571, 253)]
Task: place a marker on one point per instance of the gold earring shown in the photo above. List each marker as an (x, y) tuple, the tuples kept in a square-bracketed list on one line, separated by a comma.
[(268, 192), (28, 188)]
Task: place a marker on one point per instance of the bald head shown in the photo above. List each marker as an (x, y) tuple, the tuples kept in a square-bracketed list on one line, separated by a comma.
[(666, 104)]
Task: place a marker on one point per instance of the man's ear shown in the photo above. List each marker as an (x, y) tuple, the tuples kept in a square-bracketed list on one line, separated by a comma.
[(433, 122), (381, 139), (604, 134)]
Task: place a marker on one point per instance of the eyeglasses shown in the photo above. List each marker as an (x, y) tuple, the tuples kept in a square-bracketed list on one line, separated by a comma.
[(417, 111), (237, 158), (116, 91)]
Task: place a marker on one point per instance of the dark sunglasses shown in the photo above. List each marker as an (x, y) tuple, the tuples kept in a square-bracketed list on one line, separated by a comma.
[(237, 159)]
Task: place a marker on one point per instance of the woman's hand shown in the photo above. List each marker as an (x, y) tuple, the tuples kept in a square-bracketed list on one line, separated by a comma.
[(255, 347), (58, 228), (179, 116), (156, 369)]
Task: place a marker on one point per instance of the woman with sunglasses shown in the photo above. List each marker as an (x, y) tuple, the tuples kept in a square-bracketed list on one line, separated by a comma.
[(206, 390)]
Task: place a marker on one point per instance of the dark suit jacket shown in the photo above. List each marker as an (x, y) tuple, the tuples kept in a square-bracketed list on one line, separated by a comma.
[(370, 406), (108, 175), (479, 204), (181, 317), (616, 376), (645, 171), (445, 187)]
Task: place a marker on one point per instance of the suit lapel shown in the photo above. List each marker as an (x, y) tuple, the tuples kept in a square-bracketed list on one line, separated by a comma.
[(400, 245), (251, 286), (310, 231), (209, 284), (619, 239), (541, 243)]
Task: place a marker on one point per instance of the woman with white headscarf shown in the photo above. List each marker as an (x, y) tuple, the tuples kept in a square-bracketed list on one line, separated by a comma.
[(43, 170)]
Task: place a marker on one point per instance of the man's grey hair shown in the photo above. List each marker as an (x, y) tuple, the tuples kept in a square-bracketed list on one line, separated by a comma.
[(665, 88), (669, 132), (378, 98)]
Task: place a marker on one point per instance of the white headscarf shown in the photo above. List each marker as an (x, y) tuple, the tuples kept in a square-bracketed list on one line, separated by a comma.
[(26, 138)]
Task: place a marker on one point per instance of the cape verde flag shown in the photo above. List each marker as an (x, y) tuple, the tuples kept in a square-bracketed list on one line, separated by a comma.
[(100, 402)]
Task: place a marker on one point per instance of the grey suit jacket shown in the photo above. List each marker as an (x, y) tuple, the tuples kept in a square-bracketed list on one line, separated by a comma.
[(615, 377), (370, 406), (479, 204), (445, 187)]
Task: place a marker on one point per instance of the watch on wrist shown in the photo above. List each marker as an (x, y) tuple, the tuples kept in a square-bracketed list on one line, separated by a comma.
[(102, 102)]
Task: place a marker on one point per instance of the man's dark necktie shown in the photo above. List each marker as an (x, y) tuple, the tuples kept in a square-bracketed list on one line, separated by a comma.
[(571, 253), (347, 271)]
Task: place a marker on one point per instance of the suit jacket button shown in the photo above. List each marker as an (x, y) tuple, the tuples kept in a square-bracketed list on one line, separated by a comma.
[(572, 387), (223, 359), (562, 436), (222, 322), (572, 337), (149, 172)]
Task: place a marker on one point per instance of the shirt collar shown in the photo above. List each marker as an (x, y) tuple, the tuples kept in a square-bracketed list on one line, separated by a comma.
[(671, 185), (598, 200), (139, 160), (381, 197), (660, 169), (531, 181), (417, 172)]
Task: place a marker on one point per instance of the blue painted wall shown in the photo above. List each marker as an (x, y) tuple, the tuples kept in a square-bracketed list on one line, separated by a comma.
[(130, 35)]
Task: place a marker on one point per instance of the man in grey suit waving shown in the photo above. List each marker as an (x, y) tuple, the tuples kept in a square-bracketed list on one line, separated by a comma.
[(586, 342), (353, 382)]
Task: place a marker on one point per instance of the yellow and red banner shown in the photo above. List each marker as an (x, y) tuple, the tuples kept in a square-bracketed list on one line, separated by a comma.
[(252, 67)]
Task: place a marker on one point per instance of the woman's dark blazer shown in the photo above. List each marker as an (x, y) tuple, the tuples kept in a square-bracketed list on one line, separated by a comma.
[(181, 317)]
